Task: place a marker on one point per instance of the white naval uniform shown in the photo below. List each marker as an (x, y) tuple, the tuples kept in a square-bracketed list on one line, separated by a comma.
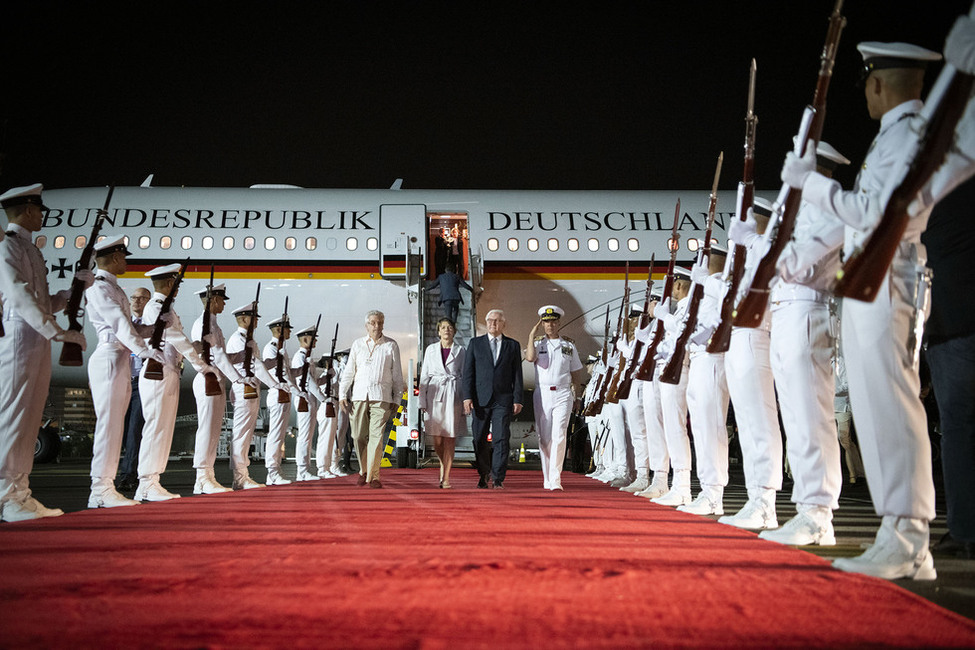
[(331, 430), (633, 418), (884, 383), (802, 346), (308, 420), (25, 356), (439, 395), (161, 398), (750, 384), (245, 410), (673, 399), (210, 409), (110, 372), (278, 414), (658, 460), (555, 362), (707, 397), (594, 423)]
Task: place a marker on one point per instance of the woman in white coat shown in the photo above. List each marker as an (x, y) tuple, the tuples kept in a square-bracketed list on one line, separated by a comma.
[(440, 401)]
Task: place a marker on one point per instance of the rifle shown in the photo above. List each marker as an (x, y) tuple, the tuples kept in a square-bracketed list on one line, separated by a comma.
[(212, 383), (329, 405), (249, 391), (590, 409), (71, 353), (863, 273), (612, 393), (623, 391), (283, 396), (752, 306), (303, 382), (672, 371), (645, 372), (597, 405), (720, 339), (154, 369)]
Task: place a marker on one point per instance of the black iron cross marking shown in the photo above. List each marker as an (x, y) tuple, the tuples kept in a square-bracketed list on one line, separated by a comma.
[(61, 267)]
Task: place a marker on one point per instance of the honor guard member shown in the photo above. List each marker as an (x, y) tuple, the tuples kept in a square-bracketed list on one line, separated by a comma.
[(331, 428), (278, 412), (802, 347), (210, 409), (595, 423), (658, 459), (308, 419), (25, 349), (707, 392), (752, 389), (557, 369), (879, 338), (160, 398), (673, 397), (109, 368), (246, 410), (634, 422)]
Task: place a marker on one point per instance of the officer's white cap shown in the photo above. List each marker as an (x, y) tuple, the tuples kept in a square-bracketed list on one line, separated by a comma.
[(246, 310), (110, 244), (219, 290), (163, 272), (878, 56), (682, 273), (278, 322), (762, 207), (21, 195), (551, 312), (715, 248), (308, 331)]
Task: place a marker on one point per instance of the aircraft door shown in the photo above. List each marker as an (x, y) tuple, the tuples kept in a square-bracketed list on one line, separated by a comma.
[(402, 238)]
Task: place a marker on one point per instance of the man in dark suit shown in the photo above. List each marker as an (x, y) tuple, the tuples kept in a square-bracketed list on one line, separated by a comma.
[(492, 386)]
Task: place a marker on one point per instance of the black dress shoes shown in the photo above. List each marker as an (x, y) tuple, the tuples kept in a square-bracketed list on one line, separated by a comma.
[(482, 484), (499, 485), (948, 545)]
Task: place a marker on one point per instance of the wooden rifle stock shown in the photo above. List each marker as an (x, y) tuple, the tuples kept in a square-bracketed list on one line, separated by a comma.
[(71, 353), (211, 383), (284, 396), (675, 366), (751, 309), (623, 391), (251, 392), (592, 409), (154, 369), (303, 382), (721, 337), (329, 402), (646, 370), (612, 391), (862, 274)]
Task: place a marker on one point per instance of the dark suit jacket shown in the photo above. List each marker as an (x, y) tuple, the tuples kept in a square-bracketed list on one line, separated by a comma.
[(450, 284), (484, 380)]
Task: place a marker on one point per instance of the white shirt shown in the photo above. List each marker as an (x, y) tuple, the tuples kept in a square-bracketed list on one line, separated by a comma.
[(23, 284), (175, 343), (111, 315), (373, 371), (555, 361)]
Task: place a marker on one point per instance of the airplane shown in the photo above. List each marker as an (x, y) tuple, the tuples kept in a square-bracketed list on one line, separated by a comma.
[(343, 252)]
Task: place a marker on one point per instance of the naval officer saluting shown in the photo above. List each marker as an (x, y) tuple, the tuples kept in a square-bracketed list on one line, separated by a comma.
[(557, 369)]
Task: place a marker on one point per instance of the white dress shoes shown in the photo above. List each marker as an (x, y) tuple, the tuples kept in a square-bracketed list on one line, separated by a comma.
[(29, 508), (151, 490), (900, 550), (754, 515), (273, 478), (676, 497), (246, 483), (208, 485), (704, 504), (802, 530), (109, 498), (307, 476)]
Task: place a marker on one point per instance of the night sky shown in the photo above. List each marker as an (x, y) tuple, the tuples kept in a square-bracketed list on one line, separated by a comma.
[(487, 95)]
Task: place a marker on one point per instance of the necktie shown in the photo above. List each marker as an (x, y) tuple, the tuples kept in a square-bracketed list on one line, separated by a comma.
[(494, 349)]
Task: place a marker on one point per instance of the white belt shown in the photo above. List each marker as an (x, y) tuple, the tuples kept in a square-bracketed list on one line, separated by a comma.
[(796, 292), (554, 386)]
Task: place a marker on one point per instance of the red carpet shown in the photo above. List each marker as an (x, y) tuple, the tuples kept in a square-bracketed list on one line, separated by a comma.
[(328, 564)]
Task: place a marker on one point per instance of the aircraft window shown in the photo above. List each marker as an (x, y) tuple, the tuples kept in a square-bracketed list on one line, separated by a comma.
[(228, 243), (613, 244), (512, 244), (594, 244), (125, 239), (165, 242), (352, 243), (493, 244), (249, 243), (553, 244), (207, 243), (79, 241), (372, 243), (186, 243), (633, 244), (532, 244), (311, 244), (692, 245), (59, 241), (41, 241), (144, 241), (269, 243), (331, 243), (290, 243), (572, 244), (673, 244)]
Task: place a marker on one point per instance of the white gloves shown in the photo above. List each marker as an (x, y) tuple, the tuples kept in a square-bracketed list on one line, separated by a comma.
[(71, 336), (283, 385), (85, 276), (796, 169), (211, 340), (740, 231), (169, 318), (662, 308), (153, 353), (960, 46), (253, 382), (699, 272), (207, 368), (252, 344)]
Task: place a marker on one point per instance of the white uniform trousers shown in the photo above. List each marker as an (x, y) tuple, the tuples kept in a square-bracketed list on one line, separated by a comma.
[(25, 377), (752, 389), (110, 380), (801, 350), (306, 433), (616, 444), (210, 410), (160, 400), (884, 394), (327, 430), (636, 427), (552, 411), (657, 457), (673, 408), (278, 421), (245, 422), (707, 404)]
